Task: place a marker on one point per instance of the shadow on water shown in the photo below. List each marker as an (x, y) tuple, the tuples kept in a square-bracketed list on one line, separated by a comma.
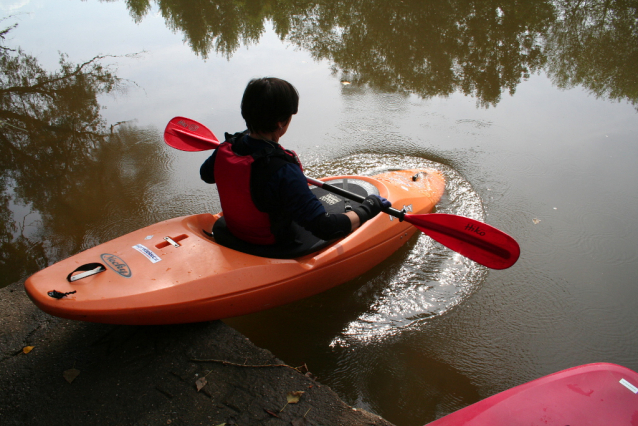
[(432, 48), (63, 170)]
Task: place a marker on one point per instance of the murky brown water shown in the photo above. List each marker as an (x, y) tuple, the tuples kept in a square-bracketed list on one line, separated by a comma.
[(529, 108)]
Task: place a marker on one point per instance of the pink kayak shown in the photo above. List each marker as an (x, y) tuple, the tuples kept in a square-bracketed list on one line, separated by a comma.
[(598, 394)]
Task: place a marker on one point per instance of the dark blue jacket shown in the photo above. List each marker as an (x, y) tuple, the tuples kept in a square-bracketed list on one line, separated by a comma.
[(284, 194)]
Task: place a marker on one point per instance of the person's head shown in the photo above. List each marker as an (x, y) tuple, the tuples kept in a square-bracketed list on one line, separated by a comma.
[(267, 103)]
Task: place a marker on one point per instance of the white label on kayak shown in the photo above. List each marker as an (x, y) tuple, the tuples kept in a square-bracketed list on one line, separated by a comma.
[(629, 386), (330, 199), (148, 253), (149, 237)]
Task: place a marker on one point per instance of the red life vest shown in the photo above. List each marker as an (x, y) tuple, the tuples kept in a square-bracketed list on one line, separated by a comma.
[(233, 178)]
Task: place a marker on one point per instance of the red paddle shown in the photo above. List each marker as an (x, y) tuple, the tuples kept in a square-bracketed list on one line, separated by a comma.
[(475, 240), (189, 135)]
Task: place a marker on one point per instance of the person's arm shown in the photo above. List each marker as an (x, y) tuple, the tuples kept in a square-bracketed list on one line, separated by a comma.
[(371, 206), (207, 170), (355, 222), (295, 197), (330, 226)]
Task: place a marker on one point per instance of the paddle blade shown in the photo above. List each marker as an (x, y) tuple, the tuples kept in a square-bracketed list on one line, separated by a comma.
[(189, 135), (475, 240)]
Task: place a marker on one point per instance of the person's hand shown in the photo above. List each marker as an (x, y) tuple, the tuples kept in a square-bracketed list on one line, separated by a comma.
[(384, 202), (370, 207)]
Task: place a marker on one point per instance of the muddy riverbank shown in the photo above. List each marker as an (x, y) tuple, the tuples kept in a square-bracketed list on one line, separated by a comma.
[(61, 372)]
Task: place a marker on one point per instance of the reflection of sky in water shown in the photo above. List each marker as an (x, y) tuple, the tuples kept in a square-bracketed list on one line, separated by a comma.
[(431, 279), (168, 79)]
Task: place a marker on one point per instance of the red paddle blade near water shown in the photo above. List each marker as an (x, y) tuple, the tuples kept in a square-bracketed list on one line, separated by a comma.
[(188, 135), (473, 239)]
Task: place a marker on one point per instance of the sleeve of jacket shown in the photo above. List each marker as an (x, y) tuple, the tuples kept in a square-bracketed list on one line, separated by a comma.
[(207, 170), (292, 192)]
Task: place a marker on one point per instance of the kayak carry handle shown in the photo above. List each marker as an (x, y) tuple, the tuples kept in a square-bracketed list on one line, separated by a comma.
[(89, 269)]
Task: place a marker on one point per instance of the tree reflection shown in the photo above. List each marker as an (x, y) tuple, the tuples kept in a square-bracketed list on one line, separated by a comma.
[(428, 47), (221, 26), (59, 164), (595, 44)]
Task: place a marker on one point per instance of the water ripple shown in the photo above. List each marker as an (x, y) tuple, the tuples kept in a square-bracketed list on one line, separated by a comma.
[(432, 279)]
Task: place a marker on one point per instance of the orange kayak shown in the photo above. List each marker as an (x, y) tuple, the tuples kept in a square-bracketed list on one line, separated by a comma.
[(174, 271)]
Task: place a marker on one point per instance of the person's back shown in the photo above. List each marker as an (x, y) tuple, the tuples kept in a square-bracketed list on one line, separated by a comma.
[(262, 189)]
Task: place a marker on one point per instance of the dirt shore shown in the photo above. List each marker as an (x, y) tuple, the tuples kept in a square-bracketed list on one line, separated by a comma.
[(61, 372)]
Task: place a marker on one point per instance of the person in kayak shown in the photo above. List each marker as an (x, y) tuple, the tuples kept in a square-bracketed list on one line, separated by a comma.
[(261, 185)]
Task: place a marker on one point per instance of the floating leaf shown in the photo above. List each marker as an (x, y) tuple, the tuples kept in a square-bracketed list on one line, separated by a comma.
[(293, 397), (200, 383), (71, 374), (27, 349)]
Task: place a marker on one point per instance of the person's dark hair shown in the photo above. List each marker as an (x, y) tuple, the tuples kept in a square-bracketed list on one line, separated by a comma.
[(268, 101)]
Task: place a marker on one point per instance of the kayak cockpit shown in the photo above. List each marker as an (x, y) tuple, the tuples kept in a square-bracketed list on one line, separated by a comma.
[(304, 242)]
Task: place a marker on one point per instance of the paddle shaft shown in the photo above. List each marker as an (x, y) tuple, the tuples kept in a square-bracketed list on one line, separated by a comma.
[(352, 196), (421, 222)]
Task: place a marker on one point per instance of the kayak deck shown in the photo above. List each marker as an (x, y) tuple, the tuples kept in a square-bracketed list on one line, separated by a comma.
[(173, 272), (591, 394)]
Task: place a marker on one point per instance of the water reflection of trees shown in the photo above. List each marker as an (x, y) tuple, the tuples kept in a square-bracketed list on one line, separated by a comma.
[(429, 47), (595, 44), (59, 164), (220, 26)]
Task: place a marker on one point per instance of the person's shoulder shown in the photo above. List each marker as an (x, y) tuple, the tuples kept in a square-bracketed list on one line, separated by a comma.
[(291, 171)]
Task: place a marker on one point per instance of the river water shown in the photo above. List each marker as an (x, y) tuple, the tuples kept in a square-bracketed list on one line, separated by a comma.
[(528, 107)]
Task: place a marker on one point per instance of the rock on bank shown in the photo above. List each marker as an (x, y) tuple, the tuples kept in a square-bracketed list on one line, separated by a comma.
[(82, 373)]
